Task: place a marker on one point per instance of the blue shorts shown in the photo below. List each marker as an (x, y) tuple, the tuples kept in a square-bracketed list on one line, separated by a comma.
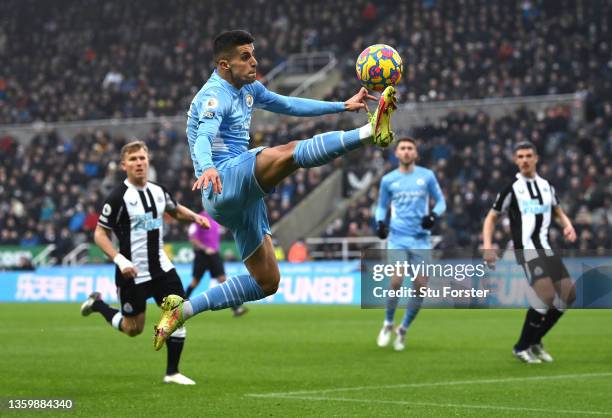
[(413, 250), (240, 206)]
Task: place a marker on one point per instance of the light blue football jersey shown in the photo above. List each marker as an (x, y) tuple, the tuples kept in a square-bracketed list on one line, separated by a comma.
[(409, 195), (219, 118)]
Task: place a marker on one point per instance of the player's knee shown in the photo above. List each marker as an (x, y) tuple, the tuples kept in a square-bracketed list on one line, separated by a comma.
[(270, 287), (288, 151), (396, 283), (570, 298), (134, 332), (133, 329), (547, 298)]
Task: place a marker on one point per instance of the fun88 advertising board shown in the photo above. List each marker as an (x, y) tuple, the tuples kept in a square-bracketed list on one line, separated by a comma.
[(326, 283)]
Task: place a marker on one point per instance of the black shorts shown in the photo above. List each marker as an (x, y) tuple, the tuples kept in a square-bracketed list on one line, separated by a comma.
[(211, 262), (542, 267), (133, 297)]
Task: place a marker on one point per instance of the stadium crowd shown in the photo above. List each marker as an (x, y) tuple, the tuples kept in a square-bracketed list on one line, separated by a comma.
[(457, 50), (126, 59), (471, 157), (78, 60), (97, 60), (53, 187)]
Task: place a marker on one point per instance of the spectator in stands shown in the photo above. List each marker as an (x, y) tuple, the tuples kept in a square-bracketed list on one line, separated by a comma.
[(298, 252)]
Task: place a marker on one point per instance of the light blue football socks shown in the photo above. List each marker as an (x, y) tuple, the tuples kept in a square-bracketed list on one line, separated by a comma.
[(233, 292), (323, 148)]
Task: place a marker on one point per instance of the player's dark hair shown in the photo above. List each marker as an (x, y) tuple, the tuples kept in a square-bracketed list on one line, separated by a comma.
[(525, 145), (406, 139), (225, 42)]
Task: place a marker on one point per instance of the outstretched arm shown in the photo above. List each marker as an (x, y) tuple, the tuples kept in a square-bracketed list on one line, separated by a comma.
[(297, 106), (182, 213)]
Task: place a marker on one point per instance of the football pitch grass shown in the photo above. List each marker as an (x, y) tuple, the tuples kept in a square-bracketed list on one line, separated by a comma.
[(307, 361)]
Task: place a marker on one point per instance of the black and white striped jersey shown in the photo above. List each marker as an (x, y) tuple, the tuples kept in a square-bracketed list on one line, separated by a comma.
[(136, 216), (529, 203)]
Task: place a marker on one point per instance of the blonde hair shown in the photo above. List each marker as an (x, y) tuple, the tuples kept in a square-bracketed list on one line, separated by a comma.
[(133, 146)]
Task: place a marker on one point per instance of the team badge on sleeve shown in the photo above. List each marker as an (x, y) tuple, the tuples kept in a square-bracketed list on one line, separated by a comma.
[(106, 210), (209, 110), (212, 103)]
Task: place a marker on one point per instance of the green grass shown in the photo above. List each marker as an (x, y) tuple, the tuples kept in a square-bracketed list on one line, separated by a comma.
[(49, 351)]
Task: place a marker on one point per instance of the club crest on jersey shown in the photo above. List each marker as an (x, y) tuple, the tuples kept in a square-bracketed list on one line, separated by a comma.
[(127, 307), (106, 210), (249, 100)]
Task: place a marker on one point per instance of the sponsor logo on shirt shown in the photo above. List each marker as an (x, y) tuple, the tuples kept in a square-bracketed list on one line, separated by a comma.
[(146, 222), (533, 207)]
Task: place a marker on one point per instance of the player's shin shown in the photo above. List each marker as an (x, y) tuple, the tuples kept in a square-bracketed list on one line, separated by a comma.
[(321, 149), (531, 328), (174, 345), (551, 318), (390, 310), (414, 305), (233, 292)]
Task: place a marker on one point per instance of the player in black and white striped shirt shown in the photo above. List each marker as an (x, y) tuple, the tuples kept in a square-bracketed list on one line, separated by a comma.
[(134, 212), (531, 203)]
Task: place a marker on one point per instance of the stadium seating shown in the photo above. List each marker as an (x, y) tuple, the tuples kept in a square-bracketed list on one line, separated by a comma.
[(53, 187), (471, 156), (92, 60), (496, 48)]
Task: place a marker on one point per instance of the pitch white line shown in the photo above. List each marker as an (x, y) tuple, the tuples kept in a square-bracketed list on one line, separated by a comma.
[(422, 385), (444, 405)]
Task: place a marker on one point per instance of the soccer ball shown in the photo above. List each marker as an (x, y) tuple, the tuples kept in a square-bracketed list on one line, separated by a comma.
[(379, 66)]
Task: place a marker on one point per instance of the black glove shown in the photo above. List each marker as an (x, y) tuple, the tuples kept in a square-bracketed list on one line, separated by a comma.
[(428, 221), (382, 231)]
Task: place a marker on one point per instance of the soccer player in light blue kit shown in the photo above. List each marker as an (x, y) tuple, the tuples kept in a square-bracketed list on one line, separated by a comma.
[(408, 189), (218, 132)]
